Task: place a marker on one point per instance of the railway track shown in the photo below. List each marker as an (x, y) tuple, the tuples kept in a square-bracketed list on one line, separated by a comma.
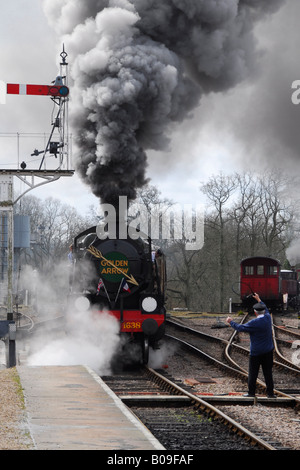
[(179, 419), (286, 373), (219, 350), (287, 341), (192, 339)]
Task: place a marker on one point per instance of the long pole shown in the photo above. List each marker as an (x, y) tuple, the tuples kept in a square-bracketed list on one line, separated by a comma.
[(10, 262), (7, 206)]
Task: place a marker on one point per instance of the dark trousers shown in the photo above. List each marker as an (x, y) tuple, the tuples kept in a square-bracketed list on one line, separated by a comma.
[(266, 361)]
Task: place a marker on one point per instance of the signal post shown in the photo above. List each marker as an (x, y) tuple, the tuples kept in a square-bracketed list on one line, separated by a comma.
[(32, 178)]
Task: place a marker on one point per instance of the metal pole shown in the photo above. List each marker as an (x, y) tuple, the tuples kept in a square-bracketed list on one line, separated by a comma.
[(10, 262), (7, 206), (11, 360), (11, 342)]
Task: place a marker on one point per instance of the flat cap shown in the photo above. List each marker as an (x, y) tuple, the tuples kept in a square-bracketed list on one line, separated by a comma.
[(259, 307)]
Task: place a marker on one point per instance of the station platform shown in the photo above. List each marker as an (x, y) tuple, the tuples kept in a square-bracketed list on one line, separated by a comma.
[(71, 408)]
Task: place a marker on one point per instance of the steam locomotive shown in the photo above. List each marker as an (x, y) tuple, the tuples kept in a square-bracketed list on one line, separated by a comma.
[(126, 278), (277, 288)]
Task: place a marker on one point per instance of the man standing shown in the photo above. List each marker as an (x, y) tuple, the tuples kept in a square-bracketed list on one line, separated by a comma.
[(261, 346)]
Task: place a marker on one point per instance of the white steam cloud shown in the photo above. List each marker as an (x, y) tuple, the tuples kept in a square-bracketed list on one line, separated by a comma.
[(93, 341), (293, 252), (158, 358), (84, 337), (138, 66)]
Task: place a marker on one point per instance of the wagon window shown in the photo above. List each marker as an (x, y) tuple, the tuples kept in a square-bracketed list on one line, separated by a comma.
[(260, 269), (248, 270), (290, 275), (272, 270)]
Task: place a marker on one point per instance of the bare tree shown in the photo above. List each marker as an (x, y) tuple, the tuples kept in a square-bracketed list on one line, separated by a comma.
[(246, 215), (277, 211), (53, 225), (218, 190)]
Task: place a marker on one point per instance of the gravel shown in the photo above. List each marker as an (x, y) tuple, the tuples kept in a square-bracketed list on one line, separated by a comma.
[(185, 429), (282, 424), (13, 432)]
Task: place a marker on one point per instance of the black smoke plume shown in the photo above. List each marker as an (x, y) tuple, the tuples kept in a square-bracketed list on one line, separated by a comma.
[(138, 66)]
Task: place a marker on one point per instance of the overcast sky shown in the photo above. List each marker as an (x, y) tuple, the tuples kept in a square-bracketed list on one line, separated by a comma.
[(253, 126)]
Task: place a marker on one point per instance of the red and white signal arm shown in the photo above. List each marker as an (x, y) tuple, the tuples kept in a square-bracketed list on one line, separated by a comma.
[(41, 90)]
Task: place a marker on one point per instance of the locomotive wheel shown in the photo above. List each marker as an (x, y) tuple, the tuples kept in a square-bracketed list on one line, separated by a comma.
[(145, 350)]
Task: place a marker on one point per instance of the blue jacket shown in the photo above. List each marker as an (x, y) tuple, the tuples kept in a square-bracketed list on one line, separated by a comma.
[(260, 330)]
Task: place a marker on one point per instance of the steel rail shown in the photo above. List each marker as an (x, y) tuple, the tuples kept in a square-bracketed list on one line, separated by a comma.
[(210, 410), (282, 358), (206, 356), (234, 368)]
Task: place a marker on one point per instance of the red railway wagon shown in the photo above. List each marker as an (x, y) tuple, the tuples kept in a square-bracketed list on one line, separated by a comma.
[(264, 276)]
